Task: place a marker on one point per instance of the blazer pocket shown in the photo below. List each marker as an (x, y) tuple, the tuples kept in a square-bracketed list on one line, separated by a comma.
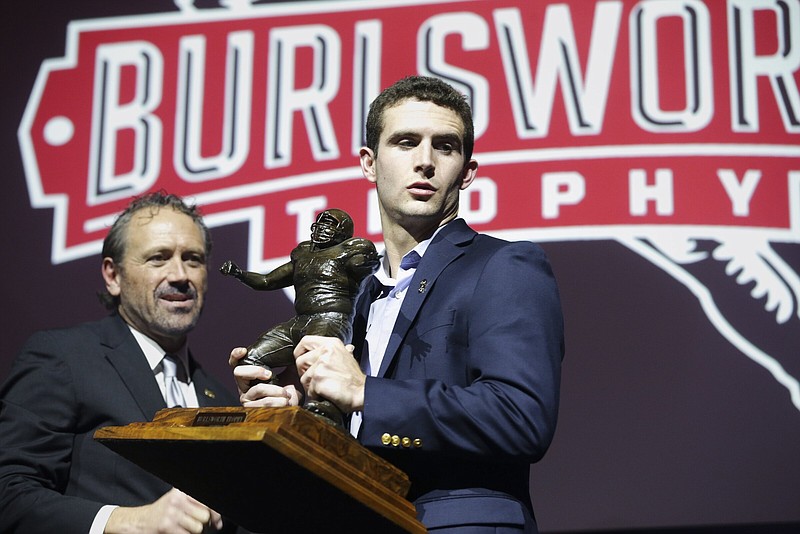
[(440, 319)]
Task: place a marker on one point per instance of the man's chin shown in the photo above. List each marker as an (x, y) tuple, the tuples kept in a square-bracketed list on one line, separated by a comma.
[(179, 322)]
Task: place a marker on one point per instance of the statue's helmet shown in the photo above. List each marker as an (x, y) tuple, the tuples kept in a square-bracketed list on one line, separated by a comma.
[(332, 227)]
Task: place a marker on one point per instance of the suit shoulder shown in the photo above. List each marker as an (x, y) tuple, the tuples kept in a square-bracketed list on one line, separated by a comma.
[(76, 331), (501, 257), (488, 242), (70, 340)]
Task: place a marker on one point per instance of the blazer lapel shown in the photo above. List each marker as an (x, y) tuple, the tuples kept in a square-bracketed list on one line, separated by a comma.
[(448, 245), (125, 355), (206, 394)]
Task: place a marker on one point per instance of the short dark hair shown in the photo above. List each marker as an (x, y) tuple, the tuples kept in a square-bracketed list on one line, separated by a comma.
[(423, 89), (115, 241)]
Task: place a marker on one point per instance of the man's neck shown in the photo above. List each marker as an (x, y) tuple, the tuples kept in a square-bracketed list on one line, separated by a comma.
[(399, 240), (168, 344)]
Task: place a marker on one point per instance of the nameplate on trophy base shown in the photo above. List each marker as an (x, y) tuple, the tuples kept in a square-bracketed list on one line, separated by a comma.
[(270, 469)]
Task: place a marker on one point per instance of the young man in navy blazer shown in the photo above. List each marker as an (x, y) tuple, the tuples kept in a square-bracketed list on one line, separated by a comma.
[(458, 337), (67, 383)]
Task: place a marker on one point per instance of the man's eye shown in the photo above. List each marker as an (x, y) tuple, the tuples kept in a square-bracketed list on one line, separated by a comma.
[(447, 147), (195, 260), (157, 258)]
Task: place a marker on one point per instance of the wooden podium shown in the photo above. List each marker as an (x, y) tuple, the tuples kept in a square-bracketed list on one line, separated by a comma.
[(270, 469)]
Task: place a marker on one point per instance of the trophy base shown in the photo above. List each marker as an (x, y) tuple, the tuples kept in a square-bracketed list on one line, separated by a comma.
[(270, 469)]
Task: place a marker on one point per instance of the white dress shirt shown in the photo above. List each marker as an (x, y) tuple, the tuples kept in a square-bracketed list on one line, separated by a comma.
[(154, 354), (382, 316)]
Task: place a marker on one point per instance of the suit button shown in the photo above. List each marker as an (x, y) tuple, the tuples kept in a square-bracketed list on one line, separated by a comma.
[(417, 443), (386, 439), (406, 442), (395, 441)]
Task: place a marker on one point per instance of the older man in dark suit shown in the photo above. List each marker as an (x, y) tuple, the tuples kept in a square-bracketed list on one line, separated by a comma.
[(67, 383)]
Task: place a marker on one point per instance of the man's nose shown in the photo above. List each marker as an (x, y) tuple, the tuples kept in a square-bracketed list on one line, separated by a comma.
[(176, 270), (424, 160)]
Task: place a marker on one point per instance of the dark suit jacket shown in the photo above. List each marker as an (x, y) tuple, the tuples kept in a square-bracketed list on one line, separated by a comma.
[(64, 385), (467, 395)]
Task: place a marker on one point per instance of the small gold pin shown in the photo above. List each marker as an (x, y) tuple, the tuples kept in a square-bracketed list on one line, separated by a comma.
[(422, 285), (210, 394)]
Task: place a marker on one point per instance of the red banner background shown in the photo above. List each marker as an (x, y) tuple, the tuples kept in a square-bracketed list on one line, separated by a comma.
[(680, 404)]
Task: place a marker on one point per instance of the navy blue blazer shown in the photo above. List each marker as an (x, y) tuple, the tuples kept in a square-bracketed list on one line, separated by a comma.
[(467, 394), (64, 385)]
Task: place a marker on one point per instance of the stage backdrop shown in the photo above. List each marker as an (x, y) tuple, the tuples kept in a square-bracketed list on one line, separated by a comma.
[(653, 148)]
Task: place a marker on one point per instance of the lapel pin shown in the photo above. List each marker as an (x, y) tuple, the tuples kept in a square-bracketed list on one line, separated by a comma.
[(422, 285), (210, 394)]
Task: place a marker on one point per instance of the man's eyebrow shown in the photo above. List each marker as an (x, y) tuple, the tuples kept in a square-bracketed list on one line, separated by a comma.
[(452, 137), (402, 134)]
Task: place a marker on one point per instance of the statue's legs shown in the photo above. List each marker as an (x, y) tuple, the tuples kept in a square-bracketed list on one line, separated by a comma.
[(273, 349), (332, 325)]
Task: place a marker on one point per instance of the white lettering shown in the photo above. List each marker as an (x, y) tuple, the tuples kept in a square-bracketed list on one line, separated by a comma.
[(746, 66), (110, 117), (740, 193), (474, 32), (373, 213), (188, 160), (641, 193), (306, 210), (283, 99), (478, 203), (585, 100), (366, 77), (698, 73), (561, 189)]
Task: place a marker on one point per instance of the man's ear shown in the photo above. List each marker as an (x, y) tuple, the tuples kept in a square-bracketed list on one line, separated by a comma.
[(368, 164), (469, 173), (110, 272)]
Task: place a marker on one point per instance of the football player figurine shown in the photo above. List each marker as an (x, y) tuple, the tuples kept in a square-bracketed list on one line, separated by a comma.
[(326, 273)]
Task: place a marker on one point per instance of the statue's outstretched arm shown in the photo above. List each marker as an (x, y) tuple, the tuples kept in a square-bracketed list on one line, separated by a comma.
[(278, 278)]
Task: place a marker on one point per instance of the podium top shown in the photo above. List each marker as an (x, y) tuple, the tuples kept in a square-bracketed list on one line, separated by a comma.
[(225, 456)]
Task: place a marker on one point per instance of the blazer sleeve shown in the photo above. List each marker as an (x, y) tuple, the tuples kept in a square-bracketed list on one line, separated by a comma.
[(478, 373), (37, 415)]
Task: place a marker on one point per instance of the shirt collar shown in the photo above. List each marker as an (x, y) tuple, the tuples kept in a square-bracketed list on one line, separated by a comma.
[(154, 353), (382, 273)]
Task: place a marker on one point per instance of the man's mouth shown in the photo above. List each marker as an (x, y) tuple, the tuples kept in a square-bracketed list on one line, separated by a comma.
[(421, 189), (176, 299)]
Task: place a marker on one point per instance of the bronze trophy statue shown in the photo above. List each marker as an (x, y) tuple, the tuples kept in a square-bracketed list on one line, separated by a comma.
[(326, 272)]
